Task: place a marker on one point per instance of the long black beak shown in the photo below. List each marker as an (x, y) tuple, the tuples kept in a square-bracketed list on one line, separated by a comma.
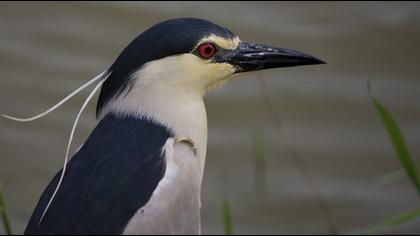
[(252, 57)]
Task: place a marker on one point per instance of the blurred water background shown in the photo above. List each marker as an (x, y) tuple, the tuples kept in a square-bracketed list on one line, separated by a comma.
[(49, 49)]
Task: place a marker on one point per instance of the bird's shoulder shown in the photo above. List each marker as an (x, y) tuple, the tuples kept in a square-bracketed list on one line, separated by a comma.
[(176, 199)]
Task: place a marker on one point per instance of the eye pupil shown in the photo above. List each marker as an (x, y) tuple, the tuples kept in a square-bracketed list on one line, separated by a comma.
[(206, 50)]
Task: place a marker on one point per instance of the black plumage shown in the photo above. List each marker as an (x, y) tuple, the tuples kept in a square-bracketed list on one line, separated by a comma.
[(112, 176)]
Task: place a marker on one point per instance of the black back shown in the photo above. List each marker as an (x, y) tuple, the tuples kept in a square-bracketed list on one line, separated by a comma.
[(165, 39), (107, 181)]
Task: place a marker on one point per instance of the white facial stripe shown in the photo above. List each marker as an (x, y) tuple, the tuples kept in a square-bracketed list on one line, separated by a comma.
[(228, 44)]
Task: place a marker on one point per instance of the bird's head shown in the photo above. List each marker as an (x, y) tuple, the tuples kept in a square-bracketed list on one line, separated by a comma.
[(192, 56)]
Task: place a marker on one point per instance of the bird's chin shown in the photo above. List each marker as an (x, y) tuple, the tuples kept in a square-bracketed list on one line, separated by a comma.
[(217, 83)]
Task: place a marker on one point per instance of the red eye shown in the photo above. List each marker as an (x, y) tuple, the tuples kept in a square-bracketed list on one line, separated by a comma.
[(206, 50)]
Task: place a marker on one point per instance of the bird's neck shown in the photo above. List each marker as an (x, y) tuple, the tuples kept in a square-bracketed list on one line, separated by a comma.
[(178, 108)]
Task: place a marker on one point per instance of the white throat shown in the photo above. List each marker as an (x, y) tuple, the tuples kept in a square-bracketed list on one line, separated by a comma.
[(162, 93)]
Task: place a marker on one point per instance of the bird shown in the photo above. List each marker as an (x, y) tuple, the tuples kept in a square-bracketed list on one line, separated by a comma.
[(140, 170)]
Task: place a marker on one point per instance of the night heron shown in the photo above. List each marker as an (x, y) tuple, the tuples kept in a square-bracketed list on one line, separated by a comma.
[(141, 168)]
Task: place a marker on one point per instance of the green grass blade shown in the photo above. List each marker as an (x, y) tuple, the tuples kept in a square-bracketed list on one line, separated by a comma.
[(227, 218), (392, 222), (398, 141), (4, 215)]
